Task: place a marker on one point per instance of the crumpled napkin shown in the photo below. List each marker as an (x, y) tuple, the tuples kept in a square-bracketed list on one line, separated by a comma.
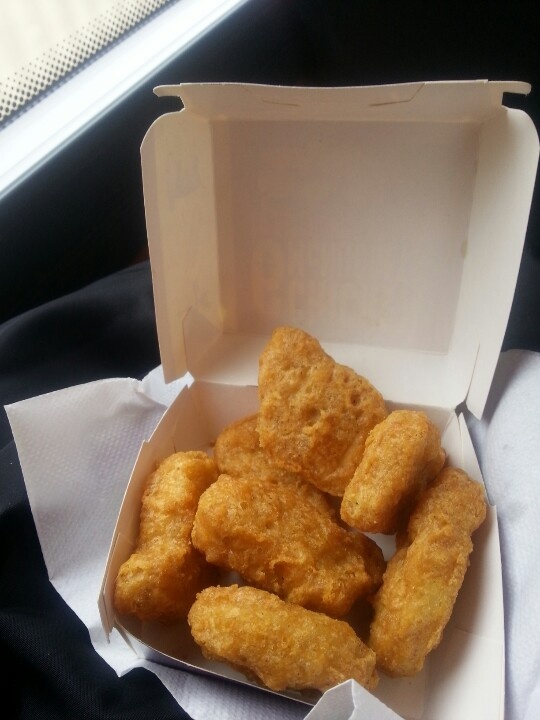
[(77, 448), (507, 443)]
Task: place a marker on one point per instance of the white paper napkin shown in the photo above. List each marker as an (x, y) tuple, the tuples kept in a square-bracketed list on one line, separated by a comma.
[(507, 442), (77, 447)]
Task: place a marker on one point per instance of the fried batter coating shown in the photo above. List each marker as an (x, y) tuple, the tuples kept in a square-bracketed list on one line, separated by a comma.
[(282, 645), (160, 580), (237, 452), (315, 414), (402, 454), (279, 541), (423, 578)]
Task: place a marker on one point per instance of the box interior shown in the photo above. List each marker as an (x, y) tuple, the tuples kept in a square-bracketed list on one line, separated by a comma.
[(389, 223), (473, 639)]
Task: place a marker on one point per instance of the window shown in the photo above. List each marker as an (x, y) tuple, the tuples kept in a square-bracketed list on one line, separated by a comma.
[(63, 62), (43, 41)]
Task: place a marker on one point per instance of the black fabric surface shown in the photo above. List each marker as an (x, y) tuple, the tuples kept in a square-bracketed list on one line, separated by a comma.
[(51, 671)]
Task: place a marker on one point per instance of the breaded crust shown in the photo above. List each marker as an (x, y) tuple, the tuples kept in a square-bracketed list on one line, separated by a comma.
[(238, 453), (315, 414), (283, 645), (423, 578), (279, 541), (402, 454), (160, 580)]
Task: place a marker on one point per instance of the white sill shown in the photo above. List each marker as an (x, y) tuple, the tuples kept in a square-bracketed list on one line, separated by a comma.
[(33, 137)]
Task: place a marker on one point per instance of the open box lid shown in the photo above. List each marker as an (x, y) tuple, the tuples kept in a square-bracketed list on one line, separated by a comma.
[(388, 221)]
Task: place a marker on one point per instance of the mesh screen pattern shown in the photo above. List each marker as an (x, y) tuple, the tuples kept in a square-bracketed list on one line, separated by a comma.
[(80, 42)]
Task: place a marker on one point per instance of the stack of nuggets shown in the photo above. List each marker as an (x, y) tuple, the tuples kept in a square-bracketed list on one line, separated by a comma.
[(161, 578), (402, 454), (315, 414), (425, 575), (238, 453), (287, 646), (279, 541), (296, 486)]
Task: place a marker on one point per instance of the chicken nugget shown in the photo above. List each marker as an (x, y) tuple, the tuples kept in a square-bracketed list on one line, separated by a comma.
[(237, 452), (279, 541), (423, 578), (315, 414), (160, 580), (402, 454), (281, 645)]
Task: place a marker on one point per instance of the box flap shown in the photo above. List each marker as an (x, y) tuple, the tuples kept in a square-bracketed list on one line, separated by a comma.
[(387, 221), (418, 102)]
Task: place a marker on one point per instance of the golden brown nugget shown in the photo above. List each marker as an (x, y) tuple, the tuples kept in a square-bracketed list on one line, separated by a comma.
[(423, 578), (279, 541), (315, 414), (282, 645), (160, 580), (402, 454), (237, 452)]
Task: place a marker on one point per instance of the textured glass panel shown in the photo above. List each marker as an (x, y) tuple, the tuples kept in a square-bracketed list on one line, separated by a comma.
[(42, 42)]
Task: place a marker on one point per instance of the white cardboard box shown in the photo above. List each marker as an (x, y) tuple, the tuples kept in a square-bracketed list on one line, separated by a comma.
[(387, 221)]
